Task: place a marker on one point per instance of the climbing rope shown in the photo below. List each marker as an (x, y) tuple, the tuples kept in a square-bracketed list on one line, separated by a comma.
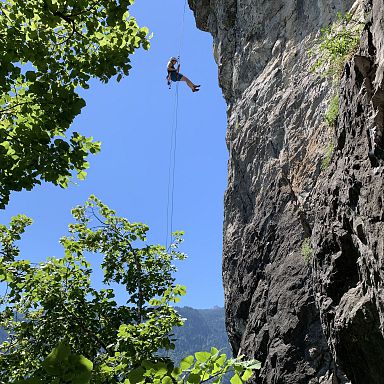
[(182, 30), (173, 146), (172, 170)]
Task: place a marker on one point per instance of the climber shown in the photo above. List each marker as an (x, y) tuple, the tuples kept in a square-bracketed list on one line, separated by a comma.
[(175, 75)]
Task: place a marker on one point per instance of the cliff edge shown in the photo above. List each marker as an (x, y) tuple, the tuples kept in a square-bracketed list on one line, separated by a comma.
[(316, 321)]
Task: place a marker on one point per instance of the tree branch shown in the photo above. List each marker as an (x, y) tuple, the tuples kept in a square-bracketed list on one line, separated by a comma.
[(14, 106)]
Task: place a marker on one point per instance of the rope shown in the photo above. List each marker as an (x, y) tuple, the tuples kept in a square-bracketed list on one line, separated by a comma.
[(182, 31), (173, 147), (172, 170)]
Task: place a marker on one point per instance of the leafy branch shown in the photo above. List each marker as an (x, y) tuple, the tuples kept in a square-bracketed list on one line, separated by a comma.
[(50, 49)]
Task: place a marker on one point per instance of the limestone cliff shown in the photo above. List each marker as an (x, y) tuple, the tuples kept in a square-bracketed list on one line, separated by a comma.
[(317, 322)]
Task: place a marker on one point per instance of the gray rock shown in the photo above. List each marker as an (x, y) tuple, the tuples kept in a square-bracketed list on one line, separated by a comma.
[(294, 316), (348, 228)]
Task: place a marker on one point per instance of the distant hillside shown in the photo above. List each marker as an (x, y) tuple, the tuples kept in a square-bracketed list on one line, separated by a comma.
[(3, 335), (203, 329)]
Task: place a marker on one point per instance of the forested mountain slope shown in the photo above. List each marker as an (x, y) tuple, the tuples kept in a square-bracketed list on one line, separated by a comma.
[(203, 329)]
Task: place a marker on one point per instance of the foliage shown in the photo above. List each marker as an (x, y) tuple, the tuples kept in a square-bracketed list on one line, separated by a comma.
[(327, 157), (66, 366), (62, 366), (54, 301), (336, 45), (50, 48), (332, 112), (203, 367), (306, 249), (62, 330)]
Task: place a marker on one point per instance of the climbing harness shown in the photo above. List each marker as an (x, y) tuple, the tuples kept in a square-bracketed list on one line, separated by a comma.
[(169, 76), (173, 147)]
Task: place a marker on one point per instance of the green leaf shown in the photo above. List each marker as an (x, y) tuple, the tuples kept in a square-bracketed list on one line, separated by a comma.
[(214, 351), (106, 369), (161, 370), (247, 374), (82, 175), (54, 364), (136, 376), (30, 75), (176, 372), (5, 144), (187, 362), (61, 363), (236, 379), (202, 356), (82, 369), (254, 365), (193, 378)]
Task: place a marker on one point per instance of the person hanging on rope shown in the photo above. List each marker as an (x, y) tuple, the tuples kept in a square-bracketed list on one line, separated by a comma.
[(175, 75)]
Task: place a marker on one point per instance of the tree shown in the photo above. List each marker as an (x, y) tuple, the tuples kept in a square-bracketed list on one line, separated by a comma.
[(54, 301), (63, 330), (50, 48)]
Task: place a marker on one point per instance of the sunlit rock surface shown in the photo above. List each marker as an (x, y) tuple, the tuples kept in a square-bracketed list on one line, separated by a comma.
[(322, 321)]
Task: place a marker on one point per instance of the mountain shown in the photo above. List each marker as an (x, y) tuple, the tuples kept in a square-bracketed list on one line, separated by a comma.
[(203, 329), (3, 335)]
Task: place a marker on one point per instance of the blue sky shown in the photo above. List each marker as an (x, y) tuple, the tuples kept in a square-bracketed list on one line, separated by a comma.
[(133, 119)]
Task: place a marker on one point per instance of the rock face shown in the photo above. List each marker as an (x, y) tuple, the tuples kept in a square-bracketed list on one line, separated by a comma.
[(349, 227), (308, 322)]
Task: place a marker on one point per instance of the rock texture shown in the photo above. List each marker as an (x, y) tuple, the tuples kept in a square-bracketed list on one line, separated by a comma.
[(349, 227), (318, 322)]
